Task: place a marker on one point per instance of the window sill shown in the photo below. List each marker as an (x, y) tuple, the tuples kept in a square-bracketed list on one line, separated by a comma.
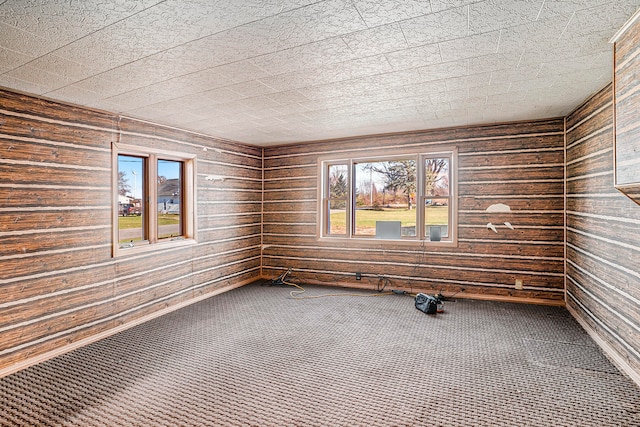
[(123, 251), (383, 242)]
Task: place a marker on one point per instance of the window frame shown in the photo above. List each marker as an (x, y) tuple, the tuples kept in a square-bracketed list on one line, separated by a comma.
[(420, 156), (326, 198), (452, 230), (150, 199)]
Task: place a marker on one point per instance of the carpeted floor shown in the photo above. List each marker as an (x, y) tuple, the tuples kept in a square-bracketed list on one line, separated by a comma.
[(254, 357)]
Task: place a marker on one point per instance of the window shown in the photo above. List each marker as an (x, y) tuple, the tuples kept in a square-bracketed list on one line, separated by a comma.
[(405, 197), (337, 175), (154, 199), (384, 191), (437, 197)]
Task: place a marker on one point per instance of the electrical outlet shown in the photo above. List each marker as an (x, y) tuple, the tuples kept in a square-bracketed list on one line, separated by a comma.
[(519, 284), (358, 276)]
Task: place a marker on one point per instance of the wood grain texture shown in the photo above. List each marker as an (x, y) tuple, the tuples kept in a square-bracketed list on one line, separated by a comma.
[(60, 284), (519, 164), (603, 235)]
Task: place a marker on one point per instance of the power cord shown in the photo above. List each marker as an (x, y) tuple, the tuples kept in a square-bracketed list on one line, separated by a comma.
[(383, 281), (295, 294)]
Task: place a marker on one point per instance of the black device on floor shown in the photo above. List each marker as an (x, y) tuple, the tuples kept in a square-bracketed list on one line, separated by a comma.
[(426, 303)]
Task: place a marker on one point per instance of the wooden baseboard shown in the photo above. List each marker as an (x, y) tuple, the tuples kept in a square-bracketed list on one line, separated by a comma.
[(465, 295), (616, 358), (97, 337)]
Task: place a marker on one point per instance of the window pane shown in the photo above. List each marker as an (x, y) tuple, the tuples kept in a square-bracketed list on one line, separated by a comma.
[(385, 191), (131, 186), (436, 218), (337, 217), (169, 199), (338, 186), (436, 180)]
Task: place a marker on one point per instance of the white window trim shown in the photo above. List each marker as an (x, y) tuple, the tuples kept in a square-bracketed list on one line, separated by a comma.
[(189, 199), (384, 155)]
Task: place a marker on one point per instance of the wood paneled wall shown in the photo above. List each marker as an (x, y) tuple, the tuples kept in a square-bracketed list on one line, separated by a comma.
[(60, 286), (603, 236), (518, 164)]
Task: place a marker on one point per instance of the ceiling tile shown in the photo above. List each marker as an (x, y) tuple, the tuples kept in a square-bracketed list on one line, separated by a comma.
[(373, 41), (583, 63), (251, 88), (465, 82), (240, 71), (73, 94), (426, 88), (394, 78), (446, 25), (246, 41), (288, 97), (318, 21), (361, 67), (532, 84), (46, 80), (491, 15), (448, 96), (28, 44), (471, 102), (566, 8), (10, 59), (492, 62), (22, 85), (511, 96), (288, 81), (182, 118), (66, 21), (194, 102), (440, 5), (304, 57), (53, 63), (444, 70), (490, 89), (415, 57), (130, 39), (515, 74), (199, 81), (376, 12), (99, 85), (222, 95), (611, 15), (289, 110), (258, 103), (470, 47), (532, 35)]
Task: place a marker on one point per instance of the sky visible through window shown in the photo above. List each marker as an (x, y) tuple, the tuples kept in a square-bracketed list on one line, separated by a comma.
[(132, 167)]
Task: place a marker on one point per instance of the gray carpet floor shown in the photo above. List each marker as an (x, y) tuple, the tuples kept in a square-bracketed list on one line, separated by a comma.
[(255, 357)]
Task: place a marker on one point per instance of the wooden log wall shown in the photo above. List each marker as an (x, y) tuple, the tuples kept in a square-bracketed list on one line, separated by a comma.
[(60, 286), (518, 164), (603, 236)]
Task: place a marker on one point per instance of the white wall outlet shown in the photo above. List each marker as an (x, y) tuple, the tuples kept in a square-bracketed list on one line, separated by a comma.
[(519, 284)]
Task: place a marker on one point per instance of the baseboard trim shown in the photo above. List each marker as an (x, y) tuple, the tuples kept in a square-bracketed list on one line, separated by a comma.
[(616, 358), (97, 337), (465, 295)]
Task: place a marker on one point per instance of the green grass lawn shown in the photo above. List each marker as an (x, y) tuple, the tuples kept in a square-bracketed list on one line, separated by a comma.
[(136, 221), (366, 219)]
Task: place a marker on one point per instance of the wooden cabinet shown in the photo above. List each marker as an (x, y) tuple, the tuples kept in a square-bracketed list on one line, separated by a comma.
[(626, 89)]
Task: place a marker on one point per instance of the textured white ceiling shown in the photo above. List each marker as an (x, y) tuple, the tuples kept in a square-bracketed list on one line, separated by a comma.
[(276, 71)]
